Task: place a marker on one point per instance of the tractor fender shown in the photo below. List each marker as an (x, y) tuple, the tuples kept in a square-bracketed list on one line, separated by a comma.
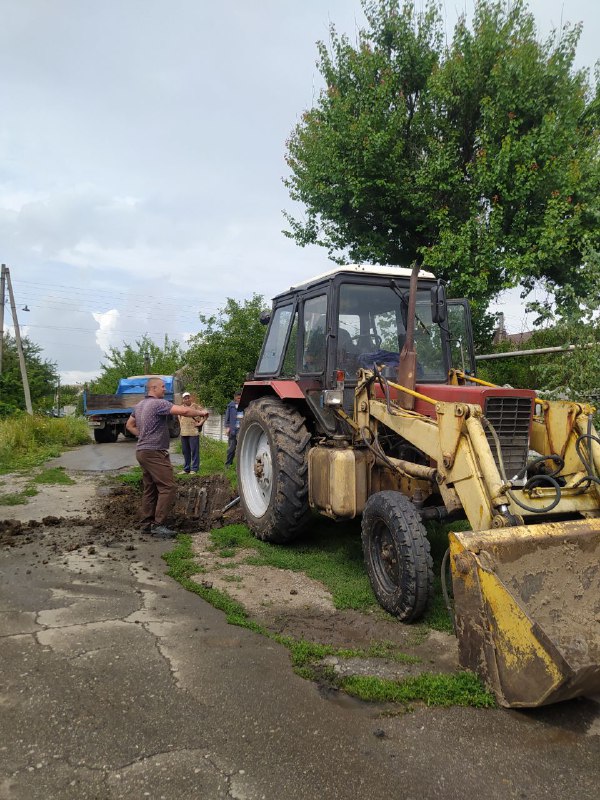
[(285, 390)]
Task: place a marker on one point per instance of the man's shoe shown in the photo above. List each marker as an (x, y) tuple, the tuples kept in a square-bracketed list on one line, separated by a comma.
[(194, 472), (146, 528), (162, 532)]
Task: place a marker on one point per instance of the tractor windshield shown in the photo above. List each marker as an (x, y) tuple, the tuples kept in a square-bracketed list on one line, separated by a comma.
[(372, 329)]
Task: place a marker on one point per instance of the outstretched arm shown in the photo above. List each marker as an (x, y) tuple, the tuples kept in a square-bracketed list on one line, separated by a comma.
[(188, 411)]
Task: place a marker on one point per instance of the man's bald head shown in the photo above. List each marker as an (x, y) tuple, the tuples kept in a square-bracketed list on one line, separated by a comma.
[(155, 387)]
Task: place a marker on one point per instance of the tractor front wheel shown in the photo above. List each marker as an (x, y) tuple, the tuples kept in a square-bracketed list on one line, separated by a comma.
[(272, 469), (397, 555)]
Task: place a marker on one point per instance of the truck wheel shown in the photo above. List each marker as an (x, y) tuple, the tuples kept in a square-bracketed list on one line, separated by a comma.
[(174, 429), (397, 555), (272, 469)]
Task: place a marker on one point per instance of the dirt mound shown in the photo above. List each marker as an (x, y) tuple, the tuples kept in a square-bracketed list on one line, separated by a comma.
[(115, 517)]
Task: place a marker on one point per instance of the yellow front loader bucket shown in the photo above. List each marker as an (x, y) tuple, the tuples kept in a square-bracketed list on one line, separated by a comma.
[(527, 606)]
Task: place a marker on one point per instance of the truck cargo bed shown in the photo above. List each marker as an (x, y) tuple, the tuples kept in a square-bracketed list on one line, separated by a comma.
[(110, 402)]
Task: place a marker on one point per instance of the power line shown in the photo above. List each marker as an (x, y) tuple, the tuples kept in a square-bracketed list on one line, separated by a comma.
[(137, 331), (109, 292)]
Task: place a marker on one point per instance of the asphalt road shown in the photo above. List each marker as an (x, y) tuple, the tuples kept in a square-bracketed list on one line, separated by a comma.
[(117, 683)]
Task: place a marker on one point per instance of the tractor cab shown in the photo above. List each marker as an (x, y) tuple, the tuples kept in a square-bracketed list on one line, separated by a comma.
[(322, 332)]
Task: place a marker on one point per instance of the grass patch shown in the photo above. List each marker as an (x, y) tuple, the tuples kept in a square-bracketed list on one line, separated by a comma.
[(212, 459), (56, 475), (27, 441), (132, 478), (332, 554), (326, 552), (18, 498), (458, 689)]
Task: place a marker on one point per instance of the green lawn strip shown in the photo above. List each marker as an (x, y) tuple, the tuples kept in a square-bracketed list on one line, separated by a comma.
[(55, 475), (457, 689), (18, 498), (445, 690)]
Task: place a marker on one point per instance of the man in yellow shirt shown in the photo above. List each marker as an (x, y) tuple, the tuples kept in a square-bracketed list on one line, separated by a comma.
[(190, 431)]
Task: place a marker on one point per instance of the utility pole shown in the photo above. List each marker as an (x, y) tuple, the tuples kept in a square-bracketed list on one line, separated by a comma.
[(2, 301), (13, 307)]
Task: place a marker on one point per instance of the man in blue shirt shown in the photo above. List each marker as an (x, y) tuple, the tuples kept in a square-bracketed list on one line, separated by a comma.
[(149, 422), (233, 418)]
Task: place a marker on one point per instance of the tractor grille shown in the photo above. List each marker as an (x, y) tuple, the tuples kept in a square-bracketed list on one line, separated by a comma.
[(510, 417)]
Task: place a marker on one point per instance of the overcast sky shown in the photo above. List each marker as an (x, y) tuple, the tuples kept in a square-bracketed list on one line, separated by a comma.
[(142, 152)]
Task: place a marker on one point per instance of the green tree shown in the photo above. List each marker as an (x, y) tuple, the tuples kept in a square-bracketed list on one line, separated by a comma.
[(572, 375), (130, 360), (222, 354), (42, 376), (480, 159)]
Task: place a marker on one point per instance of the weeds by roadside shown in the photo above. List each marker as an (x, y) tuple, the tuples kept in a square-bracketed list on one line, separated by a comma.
[(27, 441)]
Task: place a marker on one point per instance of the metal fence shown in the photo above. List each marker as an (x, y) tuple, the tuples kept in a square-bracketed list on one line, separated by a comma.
[(214, 427)]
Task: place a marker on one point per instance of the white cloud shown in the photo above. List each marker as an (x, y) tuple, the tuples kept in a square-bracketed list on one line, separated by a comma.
[(106, 335), (72, 377)]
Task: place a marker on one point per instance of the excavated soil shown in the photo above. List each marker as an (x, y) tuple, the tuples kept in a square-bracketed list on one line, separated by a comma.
[(285, 602)]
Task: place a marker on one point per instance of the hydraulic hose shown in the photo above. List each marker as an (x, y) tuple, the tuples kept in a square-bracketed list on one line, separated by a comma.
[(447, 600), (534, 481)]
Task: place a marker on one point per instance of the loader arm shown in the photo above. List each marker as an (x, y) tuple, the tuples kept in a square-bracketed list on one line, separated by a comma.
[(526, 596)]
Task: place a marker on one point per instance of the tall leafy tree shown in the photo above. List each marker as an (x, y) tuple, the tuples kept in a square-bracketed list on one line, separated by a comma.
[(131, 360), (42, 376), (480, 158), (225, 351)]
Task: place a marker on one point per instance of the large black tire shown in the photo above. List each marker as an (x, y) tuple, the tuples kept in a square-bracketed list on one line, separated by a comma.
[(174, 428), (105, 435), (397, 555), (272, 469)]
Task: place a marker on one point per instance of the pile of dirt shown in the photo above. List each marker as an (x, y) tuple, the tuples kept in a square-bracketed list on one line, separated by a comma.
[(115, 517)]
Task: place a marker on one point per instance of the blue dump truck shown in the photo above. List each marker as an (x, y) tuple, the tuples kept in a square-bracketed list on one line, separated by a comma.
[(107, 414)]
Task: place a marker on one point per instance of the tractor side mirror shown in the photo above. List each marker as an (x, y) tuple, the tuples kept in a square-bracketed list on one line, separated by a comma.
[(439, 310), (265, 317)]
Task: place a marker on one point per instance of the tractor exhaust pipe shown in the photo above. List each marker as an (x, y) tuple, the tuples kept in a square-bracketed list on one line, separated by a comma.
[(407, 368)]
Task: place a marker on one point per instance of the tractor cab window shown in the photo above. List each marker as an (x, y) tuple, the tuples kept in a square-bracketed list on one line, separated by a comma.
[(314, 334), (372, 329), (275, 341), (288, 369), (461, 338)]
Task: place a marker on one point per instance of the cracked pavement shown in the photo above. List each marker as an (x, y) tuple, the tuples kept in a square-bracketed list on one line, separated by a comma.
[(117, 683)]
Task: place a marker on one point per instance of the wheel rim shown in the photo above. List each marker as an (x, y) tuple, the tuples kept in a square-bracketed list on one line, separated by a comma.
[(256, 470), (385, 558)]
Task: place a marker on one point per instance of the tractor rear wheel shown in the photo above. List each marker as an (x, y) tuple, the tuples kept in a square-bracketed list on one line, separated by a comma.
[(397, 555), (272, 469)]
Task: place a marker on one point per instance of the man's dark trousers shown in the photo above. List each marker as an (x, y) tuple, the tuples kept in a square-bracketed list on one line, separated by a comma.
[(231, 446), (159, 485), (191, 453)]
